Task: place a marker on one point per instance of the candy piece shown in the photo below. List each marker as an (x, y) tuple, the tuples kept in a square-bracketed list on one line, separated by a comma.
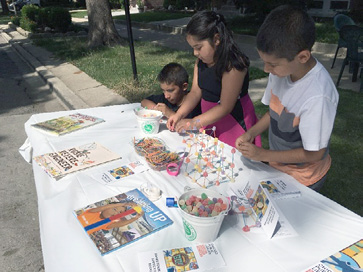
[(188, 202), (214, 213)]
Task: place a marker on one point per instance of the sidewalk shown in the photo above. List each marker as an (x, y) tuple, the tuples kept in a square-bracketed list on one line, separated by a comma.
[(77, 90)]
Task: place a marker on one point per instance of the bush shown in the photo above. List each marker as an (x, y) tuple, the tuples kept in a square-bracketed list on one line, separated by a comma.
[(59, 18), (31, 12), (115, 4), (28, 25), (43, 18), (80, 4), (15, 20), (33, 17), (166, 4)]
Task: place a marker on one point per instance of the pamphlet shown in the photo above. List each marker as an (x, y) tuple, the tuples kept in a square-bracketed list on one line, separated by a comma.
[(120, 172), (192, 258), (264, 212)]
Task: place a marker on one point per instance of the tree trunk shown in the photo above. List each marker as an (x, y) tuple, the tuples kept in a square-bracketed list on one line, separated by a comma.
[(102, 30), (4, 6)]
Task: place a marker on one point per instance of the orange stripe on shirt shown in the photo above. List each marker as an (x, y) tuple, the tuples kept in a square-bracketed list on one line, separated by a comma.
[(275, 104), (308, 173)]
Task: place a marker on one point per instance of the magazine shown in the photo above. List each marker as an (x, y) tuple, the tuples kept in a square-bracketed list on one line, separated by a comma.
[(120, 220), (60, 163), (348, 259), (66, 124), (192, 258)]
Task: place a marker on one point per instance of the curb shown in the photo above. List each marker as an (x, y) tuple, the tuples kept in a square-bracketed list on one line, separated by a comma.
[(65, 95)]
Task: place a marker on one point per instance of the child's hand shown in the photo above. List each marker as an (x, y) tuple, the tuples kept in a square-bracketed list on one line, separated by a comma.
[(251, 151), (172, 121), (184, 125), (164, 109), (244, 138)]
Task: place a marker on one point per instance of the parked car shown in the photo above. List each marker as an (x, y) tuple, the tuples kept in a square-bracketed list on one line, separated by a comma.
[(19, 4)]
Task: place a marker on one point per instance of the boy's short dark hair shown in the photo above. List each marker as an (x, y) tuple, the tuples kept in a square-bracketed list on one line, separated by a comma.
[(286, 31), (173, 73)]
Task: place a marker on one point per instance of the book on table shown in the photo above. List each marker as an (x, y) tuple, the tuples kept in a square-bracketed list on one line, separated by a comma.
[(60, 163), (348, 259), (66, 124), (117, 221)]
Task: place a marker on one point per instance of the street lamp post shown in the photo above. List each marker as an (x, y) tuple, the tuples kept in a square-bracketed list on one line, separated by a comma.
[(131, 40)]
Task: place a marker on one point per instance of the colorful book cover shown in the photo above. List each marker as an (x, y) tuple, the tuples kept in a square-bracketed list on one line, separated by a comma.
[(66, 124), (120, 220), (60, 163), (280, 188), (349, 259), (193, 258)]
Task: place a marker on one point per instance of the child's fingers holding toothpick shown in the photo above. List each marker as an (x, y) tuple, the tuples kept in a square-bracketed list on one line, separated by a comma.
[(250, 151)]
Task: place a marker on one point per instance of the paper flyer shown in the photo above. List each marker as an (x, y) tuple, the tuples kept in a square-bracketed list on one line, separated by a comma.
[(193, 258), (270, 218), (119, 172)]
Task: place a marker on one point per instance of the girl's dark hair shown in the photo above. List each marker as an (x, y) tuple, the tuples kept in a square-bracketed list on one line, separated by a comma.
[(173, 73), (286, 31), (205, 25)]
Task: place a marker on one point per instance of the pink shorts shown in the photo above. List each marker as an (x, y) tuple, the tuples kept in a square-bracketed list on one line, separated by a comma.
[(227, 128)]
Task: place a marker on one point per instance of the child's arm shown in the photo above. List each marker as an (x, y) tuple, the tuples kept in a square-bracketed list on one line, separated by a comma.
[(232, 82), (191, 101), (298, 155), (231, 87), (146, 103), (254, 131)]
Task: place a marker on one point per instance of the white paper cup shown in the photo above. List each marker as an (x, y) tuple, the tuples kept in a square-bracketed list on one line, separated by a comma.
[(148, 120), (202, 229)]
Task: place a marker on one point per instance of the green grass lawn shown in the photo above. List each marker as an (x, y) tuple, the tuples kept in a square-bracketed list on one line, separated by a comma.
[(112, 66)]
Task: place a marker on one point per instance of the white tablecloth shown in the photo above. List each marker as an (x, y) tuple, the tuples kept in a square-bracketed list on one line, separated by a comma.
[(323, 226)]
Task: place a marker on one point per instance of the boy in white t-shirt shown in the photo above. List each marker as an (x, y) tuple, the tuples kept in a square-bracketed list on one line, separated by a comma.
[(302, 100)]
